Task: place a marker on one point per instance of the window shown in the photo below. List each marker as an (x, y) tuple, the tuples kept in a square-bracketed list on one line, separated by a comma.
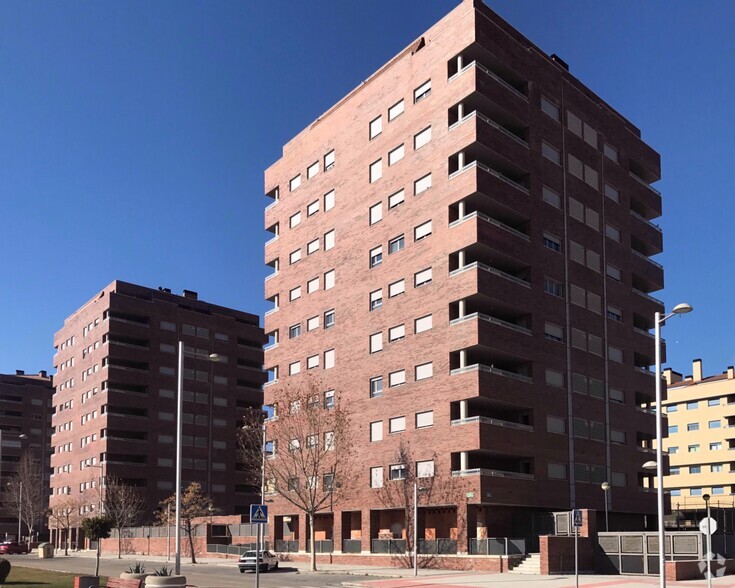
[(294, 368), (556, 425), (376, 431), (713, 402), (693, 448), (294, 257), (675, 492), (672, 408), (312, 247), (312, 362), (397, 472), (695, 492), (422, 91), (376, 299), (376, 342), (422, 231), (718, 489), (376, 387), (376, 477), (716, 446), (422, 138), (329, 201), (295, 220), (395, 155), (329, 280), (295, 294), (424, 371), (422, 277), (614, 314), (614, 273), (556, 471), (396, 378), (615, 354), (396, 244), (397, 424), (376, 256), (422, 324), (673, 429), (312, 208), (396, 110), (424, 419), (612, 233), (376, 213), (329, 240), (396, 199), (422, 184), (329, 160), (674, 471), (312, 170), (576, 167), (612, 193), (553, 332), (692, 405), (716, 467), (396, 288), (312, 323), (610, 152), (168, 326), (425, 469), (549, 108), (574, 123), (551, 153), (590, 135), (397, 333), (673, 450), (294, 183), (329, 319), (329, 359), (376, 127), (617, 437), (695, 469), (692, 426), (553, 287), (294, 331), (550, 197), (376, 170), (552, 242), (714, 424), (554, 378), (617, 396)]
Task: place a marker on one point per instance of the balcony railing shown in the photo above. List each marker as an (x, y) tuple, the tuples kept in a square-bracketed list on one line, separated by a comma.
[(493, 75), (271, 311), (647, 296), (643, 332), (492, 421), (490, 319), (491, 171), (645, 220), (644, 371), (648, 259), (271, 240), (492, 370), (269, 276), (644, 183), (492, 221), (272, 204), (492, 270), (492, 123), (492, 473)]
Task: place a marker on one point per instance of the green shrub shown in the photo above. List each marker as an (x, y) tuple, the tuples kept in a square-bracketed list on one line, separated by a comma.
[(138, 568), (4, 570), (164, 571)]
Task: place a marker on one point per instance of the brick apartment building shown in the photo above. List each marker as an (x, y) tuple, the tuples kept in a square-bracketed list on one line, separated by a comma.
[(701, 422), (25, 422), (115, 396), (461, 249)]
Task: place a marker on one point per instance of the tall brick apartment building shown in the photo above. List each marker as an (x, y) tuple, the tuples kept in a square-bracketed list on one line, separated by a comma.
[(115, 396), (462, 251), (25, 421)]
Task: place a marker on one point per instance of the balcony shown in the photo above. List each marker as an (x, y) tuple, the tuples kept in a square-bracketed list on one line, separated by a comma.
[(487, 169), (476, 65), (492, 474), (492, 421), (490, 319), (491, 370), (648, 297), (491, 270), (491, 221), (642, 182)]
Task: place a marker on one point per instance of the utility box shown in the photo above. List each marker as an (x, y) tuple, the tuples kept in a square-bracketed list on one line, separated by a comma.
[(45, 550)]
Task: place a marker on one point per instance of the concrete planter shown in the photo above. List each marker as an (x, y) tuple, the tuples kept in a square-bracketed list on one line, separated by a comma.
[(168, 581), (133, 576)]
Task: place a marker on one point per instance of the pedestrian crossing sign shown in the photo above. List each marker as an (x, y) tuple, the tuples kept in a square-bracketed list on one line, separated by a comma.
[(258, 513)]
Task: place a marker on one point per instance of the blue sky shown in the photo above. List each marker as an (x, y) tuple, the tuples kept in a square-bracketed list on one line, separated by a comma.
[(134, 135)]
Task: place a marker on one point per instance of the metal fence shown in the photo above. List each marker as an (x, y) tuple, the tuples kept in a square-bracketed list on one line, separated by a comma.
[(287, 546), (351, 545), (234, 549), (498, 546), (438, 546), (323, 546), (391, 546), (241, 530), (637, 553)]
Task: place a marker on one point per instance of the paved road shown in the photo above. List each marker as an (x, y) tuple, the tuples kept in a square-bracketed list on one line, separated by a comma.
[(212, 574)]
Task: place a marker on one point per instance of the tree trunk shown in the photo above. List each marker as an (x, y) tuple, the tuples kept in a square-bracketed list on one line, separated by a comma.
[(97, 565), (66, 542), (119, 543), (312, 543), (191, 544)]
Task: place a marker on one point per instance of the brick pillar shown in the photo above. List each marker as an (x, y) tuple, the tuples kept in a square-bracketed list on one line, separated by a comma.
[(302, 531), (337, 530), (589, 524), (370, 528), (466, 526)]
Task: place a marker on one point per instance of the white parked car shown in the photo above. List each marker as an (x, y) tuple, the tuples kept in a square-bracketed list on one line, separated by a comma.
[(268, 561)]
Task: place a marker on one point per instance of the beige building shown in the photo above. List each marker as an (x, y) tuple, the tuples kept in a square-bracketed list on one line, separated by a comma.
[(701, 422)]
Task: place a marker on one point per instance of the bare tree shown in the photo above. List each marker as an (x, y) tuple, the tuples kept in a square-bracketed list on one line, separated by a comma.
[(309, 446), (123, 506), (24, 493), (433, 489), (195, 504), (65, 516)]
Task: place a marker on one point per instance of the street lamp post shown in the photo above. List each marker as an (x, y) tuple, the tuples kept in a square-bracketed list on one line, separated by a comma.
[(658, 322), (179, 439), (709, 543), (259, 531), (605, 489), (20, 504), (416, 491)]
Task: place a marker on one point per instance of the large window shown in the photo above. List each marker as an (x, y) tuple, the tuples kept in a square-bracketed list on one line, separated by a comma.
[(424, 371), (422, 138), (376, 170), (376, 387), (376, 127), (396, 110), (422, 91)]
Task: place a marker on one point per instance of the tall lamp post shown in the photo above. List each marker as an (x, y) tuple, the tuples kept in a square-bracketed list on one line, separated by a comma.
[(605, 489), (706, 498), (259, 533), (659, 321), (179, 439)]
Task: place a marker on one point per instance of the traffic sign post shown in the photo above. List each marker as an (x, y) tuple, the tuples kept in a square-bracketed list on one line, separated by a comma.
[(258, 516), (577, 523), (707, 526)]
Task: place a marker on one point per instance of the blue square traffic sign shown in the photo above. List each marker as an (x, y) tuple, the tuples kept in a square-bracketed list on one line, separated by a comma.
[(258, 513)]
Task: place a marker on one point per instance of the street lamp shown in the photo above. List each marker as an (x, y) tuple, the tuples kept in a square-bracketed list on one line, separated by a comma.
[(709, 543), (605, 488), (259, 534), (179, 439), (658, 322), (416, 491)]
